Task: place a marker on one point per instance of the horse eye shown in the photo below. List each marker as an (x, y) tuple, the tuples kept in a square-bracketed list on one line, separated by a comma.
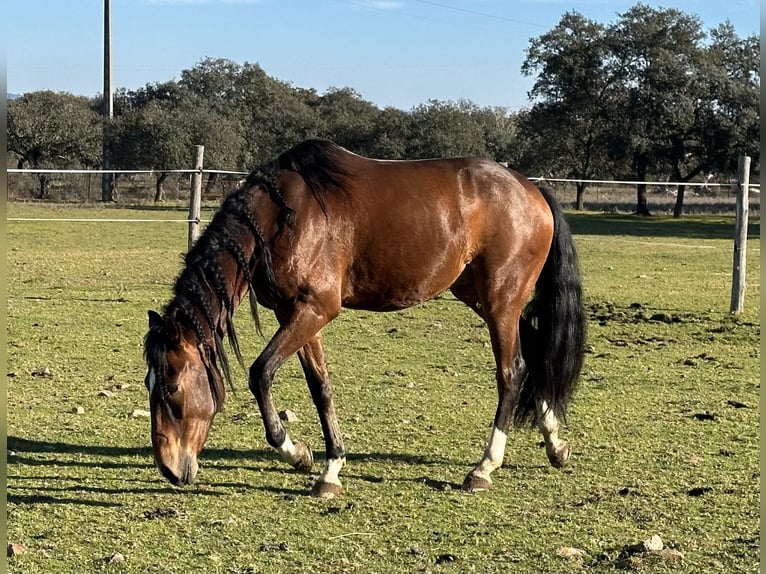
[(171, 389)]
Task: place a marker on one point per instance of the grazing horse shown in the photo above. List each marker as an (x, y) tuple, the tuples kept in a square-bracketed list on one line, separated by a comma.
[(320, 228)]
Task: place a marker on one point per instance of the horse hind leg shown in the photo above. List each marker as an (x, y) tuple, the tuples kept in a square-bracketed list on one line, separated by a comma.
[(502, 317), (558, 450)]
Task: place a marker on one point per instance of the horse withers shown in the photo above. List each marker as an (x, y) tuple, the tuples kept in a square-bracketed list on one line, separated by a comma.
[(319, 229)]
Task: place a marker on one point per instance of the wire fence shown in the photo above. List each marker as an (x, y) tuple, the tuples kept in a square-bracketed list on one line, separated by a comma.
[(614, 196), (139, 187)]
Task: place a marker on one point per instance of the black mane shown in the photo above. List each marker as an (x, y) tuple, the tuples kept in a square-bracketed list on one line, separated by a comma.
[(317, 161)]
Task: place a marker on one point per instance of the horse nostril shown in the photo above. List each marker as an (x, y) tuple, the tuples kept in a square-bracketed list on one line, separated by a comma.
[(189, 470), (172, 478)]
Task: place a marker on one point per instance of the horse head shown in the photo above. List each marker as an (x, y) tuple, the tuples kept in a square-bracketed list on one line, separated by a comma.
[(185, 393)]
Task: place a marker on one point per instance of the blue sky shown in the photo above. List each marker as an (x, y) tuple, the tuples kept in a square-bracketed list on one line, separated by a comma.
[(393, 52)]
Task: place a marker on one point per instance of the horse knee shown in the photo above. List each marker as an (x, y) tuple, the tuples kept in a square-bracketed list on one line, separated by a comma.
[(259, 377)]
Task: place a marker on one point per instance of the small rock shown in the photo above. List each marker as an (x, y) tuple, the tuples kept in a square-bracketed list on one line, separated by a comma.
[(288, 416), (671, 554), (410, 385), (140, 413), (78, 411), (106, 394), (44, 372), (569, 552), (15, 549), (693, 459), (116, 558), (653, 544)]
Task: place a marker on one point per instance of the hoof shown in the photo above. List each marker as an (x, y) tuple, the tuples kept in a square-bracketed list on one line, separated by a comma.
[(325, 489), (560, 457), (475, 483), (305, 458)]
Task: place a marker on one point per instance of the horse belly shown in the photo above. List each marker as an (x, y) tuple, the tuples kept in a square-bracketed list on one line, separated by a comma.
[(389, 284)]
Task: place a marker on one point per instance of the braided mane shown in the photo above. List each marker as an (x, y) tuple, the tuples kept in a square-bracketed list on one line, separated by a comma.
[(203, 273)]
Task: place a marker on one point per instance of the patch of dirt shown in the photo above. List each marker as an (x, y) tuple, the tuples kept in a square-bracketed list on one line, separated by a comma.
[(605, 312), (163, 513)]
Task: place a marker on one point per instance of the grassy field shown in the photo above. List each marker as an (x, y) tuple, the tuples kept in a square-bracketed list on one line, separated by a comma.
[(664, 427)]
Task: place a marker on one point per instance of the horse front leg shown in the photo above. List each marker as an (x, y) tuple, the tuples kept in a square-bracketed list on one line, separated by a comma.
[(314, 365), (303, 323)]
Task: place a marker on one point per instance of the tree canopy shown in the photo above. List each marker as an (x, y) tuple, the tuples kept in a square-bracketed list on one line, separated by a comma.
[(650, 95)]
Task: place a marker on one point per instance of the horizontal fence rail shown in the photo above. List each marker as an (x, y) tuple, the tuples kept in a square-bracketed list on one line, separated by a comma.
[(31, 171), (124, 171)]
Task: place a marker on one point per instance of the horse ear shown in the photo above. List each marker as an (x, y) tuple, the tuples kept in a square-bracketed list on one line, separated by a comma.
[(155, 319)]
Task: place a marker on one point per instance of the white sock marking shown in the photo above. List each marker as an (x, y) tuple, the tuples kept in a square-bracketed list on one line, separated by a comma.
[(496, 446), (331, 470), (548, 423), (287, 450)]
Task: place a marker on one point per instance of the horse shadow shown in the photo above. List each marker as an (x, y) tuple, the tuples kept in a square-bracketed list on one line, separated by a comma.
[(25, 452)]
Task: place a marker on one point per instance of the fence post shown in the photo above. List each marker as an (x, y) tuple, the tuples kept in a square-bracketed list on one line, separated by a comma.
[(195, 198), (740, 236)]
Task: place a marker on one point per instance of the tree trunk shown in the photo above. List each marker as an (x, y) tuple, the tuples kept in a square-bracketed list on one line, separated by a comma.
[(107, 187), (160, 191), (678, 210), (43, 178), (212, 179), (642, 203), (580, 195)]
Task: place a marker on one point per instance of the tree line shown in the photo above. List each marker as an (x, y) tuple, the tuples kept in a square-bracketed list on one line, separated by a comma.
[(649, 96)]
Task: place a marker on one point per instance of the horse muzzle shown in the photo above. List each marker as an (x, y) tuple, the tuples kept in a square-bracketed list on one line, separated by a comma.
[(181, 471)]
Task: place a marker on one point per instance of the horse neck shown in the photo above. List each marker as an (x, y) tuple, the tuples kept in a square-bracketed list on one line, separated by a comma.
[(207, 296)]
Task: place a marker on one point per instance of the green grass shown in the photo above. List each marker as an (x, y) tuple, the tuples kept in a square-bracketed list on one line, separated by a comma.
[(415, 396)]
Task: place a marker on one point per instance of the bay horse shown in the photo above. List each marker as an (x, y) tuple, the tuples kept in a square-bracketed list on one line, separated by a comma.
[(319, 229)]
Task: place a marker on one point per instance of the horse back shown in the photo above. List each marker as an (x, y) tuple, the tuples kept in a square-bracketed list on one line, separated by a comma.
[(400, 232)]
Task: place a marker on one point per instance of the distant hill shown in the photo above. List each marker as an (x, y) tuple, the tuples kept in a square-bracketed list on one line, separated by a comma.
[(13, 96)]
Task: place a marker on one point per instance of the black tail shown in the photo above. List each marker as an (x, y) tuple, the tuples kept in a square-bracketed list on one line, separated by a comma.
[(553, 327)]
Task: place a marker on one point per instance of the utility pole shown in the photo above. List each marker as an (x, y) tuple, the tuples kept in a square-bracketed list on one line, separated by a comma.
[(108, 111)]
